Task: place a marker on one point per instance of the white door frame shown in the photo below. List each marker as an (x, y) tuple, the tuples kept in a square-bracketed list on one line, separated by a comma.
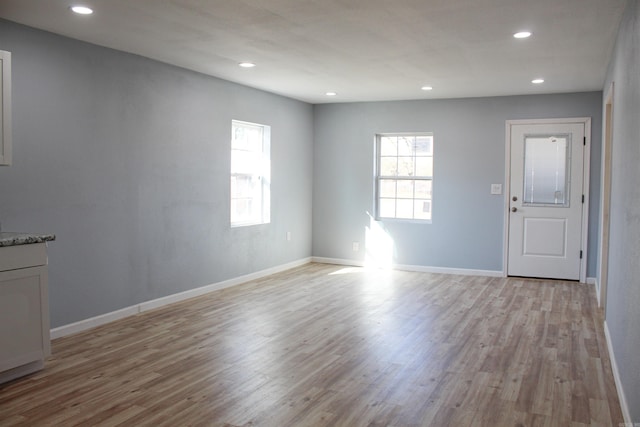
[(585, 186), (605, 202)]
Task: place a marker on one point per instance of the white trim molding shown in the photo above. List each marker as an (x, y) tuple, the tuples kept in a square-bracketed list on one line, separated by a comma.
[(616, 376), (416, 268), (103, 319), (605, 197), (338, 261)]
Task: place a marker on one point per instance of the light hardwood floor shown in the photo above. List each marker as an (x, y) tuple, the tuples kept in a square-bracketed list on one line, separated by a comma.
[(325, 345)]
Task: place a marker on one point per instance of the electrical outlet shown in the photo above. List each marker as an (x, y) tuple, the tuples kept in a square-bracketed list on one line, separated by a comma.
[(496, 188), (356, 246), (288, 236)]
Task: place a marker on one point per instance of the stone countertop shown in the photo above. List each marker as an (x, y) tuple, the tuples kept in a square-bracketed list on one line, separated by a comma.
[(13, 239)]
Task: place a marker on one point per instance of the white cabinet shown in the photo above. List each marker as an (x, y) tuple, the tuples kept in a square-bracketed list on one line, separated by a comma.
[(5, 105), (24, 310)]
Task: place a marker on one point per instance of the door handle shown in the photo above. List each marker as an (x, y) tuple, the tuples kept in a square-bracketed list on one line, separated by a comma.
[(514, 209)]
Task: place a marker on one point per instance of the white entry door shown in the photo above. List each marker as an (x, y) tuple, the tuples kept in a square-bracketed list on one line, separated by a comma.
[(546, 199)]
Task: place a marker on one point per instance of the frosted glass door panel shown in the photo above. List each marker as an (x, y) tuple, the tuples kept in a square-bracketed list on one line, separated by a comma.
[(546, 170)]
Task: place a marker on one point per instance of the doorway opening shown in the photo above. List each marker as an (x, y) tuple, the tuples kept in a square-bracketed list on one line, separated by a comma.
[(546, 209)]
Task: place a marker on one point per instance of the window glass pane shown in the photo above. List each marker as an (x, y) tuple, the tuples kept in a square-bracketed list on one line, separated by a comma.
[(388, 208), (388, 166), (424, 166), (246, 193), (241, 209), (255, 139), (404, 208), (545, 170), (238, 138), (241, 187), (423, 189), (246, 162), (247, 137), (424, 145), (422, 209), (405, 189), (387, 188), (406, 166), (405, 145), (388, 146)]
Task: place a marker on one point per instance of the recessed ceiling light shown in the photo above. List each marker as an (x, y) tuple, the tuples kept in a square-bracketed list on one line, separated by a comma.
[(247, 64), (82, 10), (426, 88), (331, 93), (522, 34), (537, 81)]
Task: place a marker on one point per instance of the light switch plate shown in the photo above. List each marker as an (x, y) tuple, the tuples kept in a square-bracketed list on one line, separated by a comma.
[(496, 188)]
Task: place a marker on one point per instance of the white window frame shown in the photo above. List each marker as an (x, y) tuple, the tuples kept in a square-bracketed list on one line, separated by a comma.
[(260, 172), (379, 177)]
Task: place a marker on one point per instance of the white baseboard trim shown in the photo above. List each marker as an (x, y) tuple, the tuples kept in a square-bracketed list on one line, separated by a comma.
[(594, 281), (337, 261), (616, 376), (102, 319), (416, 268), (181, 296), (446, 270), (92, 322)]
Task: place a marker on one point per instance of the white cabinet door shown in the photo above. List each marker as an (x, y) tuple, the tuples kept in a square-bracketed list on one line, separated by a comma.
[(5, 105), (24, 317)]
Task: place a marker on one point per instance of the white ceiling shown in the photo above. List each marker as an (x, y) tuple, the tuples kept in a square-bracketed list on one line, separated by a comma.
[(365, 50)]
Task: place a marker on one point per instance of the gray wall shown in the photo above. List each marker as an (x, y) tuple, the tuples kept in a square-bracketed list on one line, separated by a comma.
[(127, 161), (469, 155), (623, 291)]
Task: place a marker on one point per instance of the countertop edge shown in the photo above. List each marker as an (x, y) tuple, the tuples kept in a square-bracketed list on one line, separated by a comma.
[(15, 239)]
